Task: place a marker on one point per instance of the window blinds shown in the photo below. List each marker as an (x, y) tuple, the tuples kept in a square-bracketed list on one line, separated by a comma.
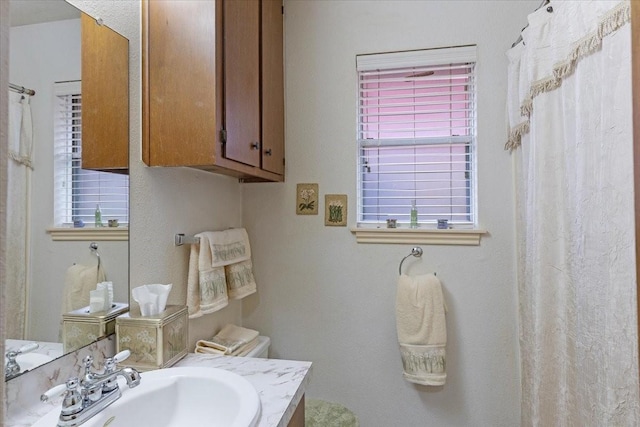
[(77, 191), (416, 136)]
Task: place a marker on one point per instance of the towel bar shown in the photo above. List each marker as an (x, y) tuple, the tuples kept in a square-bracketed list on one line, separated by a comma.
[(180, 239), (416, 252)]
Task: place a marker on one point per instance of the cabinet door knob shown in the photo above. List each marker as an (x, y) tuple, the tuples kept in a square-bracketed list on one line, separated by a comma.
[(255, 146), (267, 152)]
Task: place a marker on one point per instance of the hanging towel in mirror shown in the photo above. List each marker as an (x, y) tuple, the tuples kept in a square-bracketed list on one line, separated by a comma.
[(78, 282), (421, 327), (206, 283)]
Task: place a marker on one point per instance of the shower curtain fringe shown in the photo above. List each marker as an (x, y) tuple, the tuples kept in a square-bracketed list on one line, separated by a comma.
[(591, 43)]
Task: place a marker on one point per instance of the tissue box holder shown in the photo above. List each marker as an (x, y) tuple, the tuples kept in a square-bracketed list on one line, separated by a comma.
[(79, 327), (154, 341)]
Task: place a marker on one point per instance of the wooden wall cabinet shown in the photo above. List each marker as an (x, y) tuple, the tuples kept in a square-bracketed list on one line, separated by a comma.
[(213, 86), (105, 97)]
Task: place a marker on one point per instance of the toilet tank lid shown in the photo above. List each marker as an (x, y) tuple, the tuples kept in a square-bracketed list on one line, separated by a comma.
[(263, 343)]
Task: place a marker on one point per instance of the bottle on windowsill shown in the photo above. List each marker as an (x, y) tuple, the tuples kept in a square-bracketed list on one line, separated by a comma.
[(414, 215), (98, 217)]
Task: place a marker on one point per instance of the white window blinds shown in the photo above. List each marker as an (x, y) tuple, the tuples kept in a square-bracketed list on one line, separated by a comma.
[(77, 192), (416, 136)]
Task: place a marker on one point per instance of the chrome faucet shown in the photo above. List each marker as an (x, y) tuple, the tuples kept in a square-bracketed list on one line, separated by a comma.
[(86, 397), (12, 368)]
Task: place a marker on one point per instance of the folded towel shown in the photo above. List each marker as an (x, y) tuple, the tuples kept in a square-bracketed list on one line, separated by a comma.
[(421, 327), (231, 340), (79, 281), (206, 285), (241, 351), (228, 246)]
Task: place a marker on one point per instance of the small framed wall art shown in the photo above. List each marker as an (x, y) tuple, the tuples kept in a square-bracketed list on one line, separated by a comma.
[(335, 209), (307, 199)]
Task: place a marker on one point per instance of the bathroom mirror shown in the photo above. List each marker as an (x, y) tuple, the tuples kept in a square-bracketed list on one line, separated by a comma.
[(44, 54)]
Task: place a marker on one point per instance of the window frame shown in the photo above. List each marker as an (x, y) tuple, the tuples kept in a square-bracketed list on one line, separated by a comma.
[(420, 58)]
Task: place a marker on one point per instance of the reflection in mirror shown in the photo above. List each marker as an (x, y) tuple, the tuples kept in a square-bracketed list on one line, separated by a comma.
[(50, 265)]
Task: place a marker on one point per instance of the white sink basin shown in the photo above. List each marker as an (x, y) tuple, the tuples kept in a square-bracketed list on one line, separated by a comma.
[(177, 397), (29, 361)]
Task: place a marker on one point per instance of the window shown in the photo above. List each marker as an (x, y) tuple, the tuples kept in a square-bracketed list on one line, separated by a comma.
[(77, 191), (416, 137)]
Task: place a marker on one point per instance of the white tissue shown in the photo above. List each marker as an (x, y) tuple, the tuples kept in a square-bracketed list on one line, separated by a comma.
[(108, 289), (97, 300), (151, 298)]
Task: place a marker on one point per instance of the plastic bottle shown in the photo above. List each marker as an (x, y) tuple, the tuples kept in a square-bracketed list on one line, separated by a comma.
[(98, 220), (414, 215)]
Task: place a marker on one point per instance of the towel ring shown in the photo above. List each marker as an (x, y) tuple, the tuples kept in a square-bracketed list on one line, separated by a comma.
[(93, 246), (416, 252)]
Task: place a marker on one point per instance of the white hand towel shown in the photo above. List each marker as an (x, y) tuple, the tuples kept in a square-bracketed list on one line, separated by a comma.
[(228, 246), (421, 327), (206, 285), (79, 281)]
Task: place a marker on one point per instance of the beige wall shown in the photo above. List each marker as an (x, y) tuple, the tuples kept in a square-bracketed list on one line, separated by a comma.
[(322, 297), (325, 298)]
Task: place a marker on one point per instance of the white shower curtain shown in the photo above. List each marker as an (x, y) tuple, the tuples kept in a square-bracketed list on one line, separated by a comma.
[(18, 183), (571, 131)]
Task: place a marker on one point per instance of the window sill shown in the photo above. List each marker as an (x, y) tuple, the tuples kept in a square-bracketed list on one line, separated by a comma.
[(89, 233), (462, 237)]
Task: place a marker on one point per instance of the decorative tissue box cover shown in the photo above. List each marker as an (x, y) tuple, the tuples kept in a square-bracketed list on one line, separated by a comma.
[(154, 341), (79, 327)]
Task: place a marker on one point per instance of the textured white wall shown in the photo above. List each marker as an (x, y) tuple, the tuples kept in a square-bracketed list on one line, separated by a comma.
[(165, 201), (324, 298), (42, 54)]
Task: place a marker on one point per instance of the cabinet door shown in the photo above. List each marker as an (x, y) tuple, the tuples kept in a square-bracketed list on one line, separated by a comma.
[(105, 98), (242, 81), (179, 83), (272, 85)]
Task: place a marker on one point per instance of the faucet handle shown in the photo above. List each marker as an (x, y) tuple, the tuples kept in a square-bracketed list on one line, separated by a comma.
[(12, 354), (28, 347), (122, 356), (54, 391), (110, 363), (12, 368)]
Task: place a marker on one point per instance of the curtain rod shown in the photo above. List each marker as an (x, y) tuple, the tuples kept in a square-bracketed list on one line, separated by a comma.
[(21, 89)]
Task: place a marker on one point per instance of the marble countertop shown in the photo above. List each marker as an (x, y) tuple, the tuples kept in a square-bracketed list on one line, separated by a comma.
[(280, 385)]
